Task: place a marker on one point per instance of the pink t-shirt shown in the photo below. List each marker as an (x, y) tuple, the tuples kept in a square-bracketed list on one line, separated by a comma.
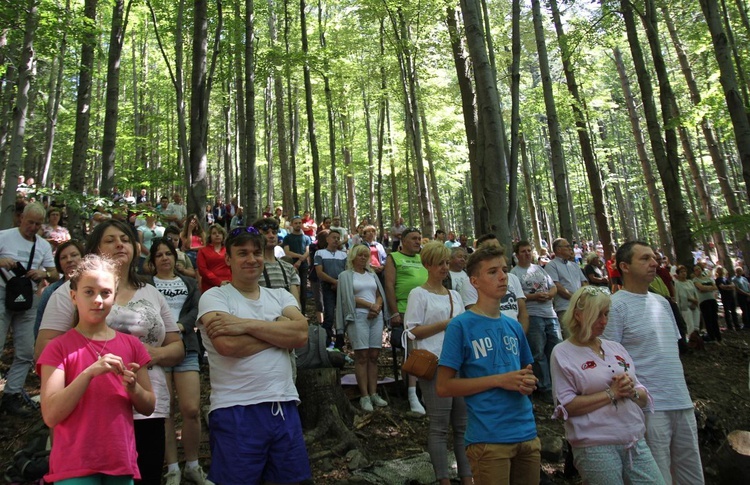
[(579, 371), (98, 436)]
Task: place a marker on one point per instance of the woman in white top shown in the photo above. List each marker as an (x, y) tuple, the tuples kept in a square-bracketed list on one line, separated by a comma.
[(429, 309), (359, 310), (686, 295)]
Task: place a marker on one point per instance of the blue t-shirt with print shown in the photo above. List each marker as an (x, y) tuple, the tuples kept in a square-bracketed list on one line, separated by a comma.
[(478, 346)]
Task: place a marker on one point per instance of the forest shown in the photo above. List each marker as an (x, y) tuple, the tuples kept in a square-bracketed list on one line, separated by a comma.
[(593, 120)]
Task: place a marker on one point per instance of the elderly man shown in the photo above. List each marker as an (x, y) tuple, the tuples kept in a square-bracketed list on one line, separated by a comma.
[(565, 273), (248, 331), (644, 324), (22, 253)]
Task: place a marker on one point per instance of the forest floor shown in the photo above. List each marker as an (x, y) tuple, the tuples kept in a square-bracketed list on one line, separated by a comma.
[(717, 378)]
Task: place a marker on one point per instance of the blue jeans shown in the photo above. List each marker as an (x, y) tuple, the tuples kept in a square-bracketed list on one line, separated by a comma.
[(329, 310), (23, 342), (543, 335)]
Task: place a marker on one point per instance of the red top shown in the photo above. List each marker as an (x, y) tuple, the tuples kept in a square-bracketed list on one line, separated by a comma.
[(212, 267)]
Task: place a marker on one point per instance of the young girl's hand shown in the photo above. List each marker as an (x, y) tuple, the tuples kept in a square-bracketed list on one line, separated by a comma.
[(107, 363), (129, 376)]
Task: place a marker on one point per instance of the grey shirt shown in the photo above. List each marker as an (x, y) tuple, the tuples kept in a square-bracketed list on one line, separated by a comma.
[(568, 274), (534, 279)]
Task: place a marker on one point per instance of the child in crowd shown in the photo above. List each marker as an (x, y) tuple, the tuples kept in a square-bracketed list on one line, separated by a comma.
[(92, 377)]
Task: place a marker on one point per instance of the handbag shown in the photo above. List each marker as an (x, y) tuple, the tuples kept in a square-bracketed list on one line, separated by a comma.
[(19, 290), (420, 363)]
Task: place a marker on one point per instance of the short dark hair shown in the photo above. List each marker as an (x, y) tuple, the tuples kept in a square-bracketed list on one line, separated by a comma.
[(439, 231), (480, 255), (485, 237), (520, 244), (92, 246), (62, 247), (266, 223), (155, 248), (625, 252), (557, 242), (240, 236)]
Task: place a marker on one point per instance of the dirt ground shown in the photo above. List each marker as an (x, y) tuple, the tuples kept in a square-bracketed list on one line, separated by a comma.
[(717, 378)]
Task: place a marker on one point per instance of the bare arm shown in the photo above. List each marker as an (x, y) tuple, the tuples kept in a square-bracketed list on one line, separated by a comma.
[(523, 315), (390, 290), (324, 276), (171, 352), (448, 384), (562, 292), (425, 331), (621, 388), (44, 337)]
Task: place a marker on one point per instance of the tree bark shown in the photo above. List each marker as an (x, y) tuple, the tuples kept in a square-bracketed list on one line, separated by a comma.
[(198, 188), (728, 81), (490, 189), (431, 172), (25, 73), (249, 167), (559, 174), (666, 155), (239, 83), (335, 199), (587, 151), (640, 144), (310, 114), (530, 199)]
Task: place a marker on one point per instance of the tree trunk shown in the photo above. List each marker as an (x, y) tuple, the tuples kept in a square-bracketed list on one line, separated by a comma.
[(431, 172), (735, 105), (515, 116), (559, 174), (370, 157), (25, 72), (281, 128), (83, 117), (408, 70), (117, 36), (587, 151), (239, 84), (465, 87), (666, 155), (198, 188), (623, 209), (530, 199), (491, 190), (736, 54), (310, 114), (335, 199), (640, 144), (293, 117), (346, 149), (249, 167)]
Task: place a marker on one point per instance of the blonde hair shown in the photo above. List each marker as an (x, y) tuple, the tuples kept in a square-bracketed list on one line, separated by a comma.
[(589, 301), (356, 251), (434, 253)]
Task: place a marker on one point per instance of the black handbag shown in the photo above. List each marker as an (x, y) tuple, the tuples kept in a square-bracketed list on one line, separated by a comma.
[(19, 290)]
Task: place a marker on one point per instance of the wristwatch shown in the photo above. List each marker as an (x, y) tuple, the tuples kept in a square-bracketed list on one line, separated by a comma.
[(635, 395)]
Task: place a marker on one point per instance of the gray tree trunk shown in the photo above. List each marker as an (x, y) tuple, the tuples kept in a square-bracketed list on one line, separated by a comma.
[(318, 203)]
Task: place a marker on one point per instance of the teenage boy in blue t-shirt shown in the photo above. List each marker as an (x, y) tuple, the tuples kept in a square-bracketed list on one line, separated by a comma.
[(486, 358)]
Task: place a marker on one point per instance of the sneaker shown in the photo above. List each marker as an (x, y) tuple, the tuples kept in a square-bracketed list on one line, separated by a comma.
[(365, 404), (16, 405), (173, 477), (195, 475), (416, 406), (378, 401)]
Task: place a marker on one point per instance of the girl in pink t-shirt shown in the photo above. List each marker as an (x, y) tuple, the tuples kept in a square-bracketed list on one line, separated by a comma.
[(92, 378)]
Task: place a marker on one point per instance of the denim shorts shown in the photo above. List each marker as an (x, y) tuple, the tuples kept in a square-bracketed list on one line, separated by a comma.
[(273, 452), (188, 364)]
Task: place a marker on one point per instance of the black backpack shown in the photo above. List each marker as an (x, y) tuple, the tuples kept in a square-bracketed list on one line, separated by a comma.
[(31, 463)]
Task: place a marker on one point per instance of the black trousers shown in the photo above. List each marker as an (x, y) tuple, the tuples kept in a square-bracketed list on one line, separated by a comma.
[(149, 442)]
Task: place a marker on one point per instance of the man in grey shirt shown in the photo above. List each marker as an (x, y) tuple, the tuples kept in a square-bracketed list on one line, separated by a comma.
[(566, 274), (544, 328)]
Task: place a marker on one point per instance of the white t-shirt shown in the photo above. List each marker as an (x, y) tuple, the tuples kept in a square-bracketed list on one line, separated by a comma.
[(278, 252), (178, 210), (146, 316), (175, 291), (424, 307), (365, 288), (14, 246), (509, 303), (459, 279), (263, 377)]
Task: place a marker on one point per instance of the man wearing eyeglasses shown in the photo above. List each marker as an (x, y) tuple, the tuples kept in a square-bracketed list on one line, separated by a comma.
[(565, 273), (248, 331), (276, 272)]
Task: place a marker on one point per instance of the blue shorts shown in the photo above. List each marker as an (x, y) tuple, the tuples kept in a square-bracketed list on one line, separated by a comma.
[(257, 443), (188, 364)]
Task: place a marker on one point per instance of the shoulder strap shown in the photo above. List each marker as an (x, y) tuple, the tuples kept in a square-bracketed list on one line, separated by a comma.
[(450, 297), (31, 256)]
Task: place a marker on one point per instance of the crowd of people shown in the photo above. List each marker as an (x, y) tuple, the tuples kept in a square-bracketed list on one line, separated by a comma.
[(130, 313)]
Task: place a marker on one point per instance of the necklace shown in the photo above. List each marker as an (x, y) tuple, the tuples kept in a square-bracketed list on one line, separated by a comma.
[(600, 350), (91, 347), (480, 312)]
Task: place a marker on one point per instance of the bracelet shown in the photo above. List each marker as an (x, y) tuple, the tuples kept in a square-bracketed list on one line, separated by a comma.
[(611, 396), (635, 395)]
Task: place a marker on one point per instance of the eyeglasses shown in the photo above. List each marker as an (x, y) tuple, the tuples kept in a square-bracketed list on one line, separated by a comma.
[(238, 231)]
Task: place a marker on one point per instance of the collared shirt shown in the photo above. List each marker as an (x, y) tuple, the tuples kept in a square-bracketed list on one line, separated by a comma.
[(568, 274)]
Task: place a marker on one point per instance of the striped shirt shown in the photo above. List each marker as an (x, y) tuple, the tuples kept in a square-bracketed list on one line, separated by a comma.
[(645, 326)]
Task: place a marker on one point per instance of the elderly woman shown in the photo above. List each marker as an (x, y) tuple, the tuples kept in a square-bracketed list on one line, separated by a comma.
[(594, 271), (599, 397), (429, 309), (52, 231), (359, 311), (686, 297)]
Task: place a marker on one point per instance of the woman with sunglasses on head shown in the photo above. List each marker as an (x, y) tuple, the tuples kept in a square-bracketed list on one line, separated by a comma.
[(139, 310), (182, 296), (598, 395)]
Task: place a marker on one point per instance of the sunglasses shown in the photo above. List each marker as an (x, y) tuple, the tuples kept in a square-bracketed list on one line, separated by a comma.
[(409, 230), (238, 231), (265, 226)]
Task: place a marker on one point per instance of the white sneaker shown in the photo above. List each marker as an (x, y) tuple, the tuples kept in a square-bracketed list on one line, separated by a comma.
[(365, 403), (173, 477), (195, 475), (416, 406), (378, 401)]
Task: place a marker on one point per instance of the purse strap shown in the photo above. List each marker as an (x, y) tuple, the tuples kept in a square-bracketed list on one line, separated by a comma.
[(408, 335)]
